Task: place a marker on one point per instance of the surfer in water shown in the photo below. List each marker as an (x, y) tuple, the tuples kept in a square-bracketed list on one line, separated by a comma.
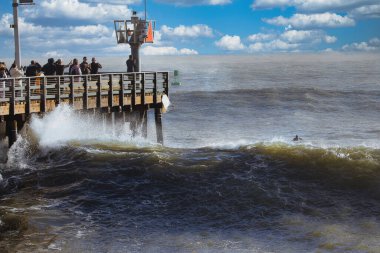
[(297, 138)]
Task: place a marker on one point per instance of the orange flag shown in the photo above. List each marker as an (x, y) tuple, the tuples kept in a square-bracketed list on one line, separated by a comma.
[(149, 38)]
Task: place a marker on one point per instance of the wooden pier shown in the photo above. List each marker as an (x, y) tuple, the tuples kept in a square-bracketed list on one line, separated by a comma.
[(128, 93)]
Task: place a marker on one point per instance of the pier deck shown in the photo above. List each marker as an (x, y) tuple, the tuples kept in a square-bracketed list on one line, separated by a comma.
[(110, 92)]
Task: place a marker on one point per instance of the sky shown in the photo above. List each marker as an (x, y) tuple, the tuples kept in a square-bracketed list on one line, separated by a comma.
[(58, 28)]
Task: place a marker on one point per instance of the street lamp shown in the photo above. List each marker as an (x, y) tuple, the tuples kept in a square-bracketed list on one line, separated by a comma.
[(15, 26), (134, 32)]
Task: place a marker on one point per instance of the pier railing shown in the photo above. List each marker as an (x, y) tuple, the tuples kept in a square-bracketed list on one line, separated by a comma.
[(28, 95)]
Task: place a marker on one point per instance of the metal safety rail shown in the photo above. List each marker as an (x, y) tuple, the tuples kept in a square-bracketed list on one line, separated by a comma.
[(28, 95)]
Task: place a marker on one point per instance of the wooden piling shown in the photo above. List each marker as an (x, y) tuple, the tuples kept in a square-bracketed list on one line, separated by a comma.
[(21, 119), (144, 122), (11, 130), (133, 123), (158, 119)]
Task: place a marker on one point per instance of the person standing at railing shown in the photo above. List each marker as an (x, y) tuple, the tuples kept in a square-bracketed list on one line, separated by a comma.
[(131, 66), (75, 69), (95, 66), (3, 75), (6, 69), (33, 69), (60, 67), (17, 73), (85, 67), (49, 68)]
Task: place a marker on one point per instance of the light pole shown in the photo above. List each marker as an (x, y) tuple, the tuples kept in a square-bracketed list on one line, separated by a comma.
[(15, 26), (16, 34)]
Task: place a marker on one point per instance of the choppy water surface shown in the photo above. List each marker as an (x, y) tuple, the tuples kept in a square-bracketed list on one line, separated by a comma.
[(229, 178)]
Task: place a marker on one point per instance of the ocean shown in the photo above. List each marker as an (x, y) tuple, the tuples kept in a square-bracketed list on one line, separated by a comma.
[(228, 178)]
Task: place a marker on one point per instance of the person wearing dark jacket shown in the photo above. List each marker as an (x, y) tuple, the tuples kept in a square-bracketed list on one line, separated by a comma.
[(32, 69), (49, 68), (85, 67), (131, 64), (95, 66), (60, 67)]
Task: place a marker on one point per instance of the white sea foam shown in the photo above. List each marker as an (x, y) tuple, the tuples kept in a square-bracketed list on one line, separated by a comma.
[(64, 126), (18, 154)]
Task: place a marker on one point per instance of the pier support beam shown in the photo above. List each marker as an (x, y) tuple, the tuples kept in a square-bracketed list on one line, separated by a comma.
[(133, 123), (3, 131), (158, 119), (144, 122), (119, 122), (21, 119), (11, 130)]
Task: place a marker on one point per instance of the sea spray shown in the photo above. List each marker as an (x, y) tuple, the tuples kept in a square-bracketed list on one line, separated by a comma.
[(64, 126)]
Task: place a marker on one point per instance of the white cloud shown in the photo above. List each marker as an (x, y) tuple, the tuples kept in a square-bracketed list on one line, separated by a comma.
[(55, 40), (5, 21), (114, 2), (314, 5), (312, 21), (53, 54), (371, 46), (24, 27), (261, 37), (181, 31), (330, 39), (308, 36), (275, 45), (90, 30), (151, 50), (76, 10), (231, 43), (290, 40), (369, 11), (196, 2)]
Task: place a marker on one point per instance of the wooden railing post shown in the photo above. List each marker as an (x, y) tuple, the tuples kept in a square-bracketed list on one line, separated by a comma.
[(43, 95), (110, 92), (12, 100), (166, 83), (143, 89), (155, 88), (99, 93), (121, 92), (71, 85), (27, 97), (85, 94), (58, 94), (133, 100)]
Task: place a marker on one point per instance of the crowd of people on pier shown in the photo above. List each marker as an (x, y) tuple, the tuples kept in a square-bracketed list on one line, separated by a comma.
[(57, 68), (54, 68), (51, 68)]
